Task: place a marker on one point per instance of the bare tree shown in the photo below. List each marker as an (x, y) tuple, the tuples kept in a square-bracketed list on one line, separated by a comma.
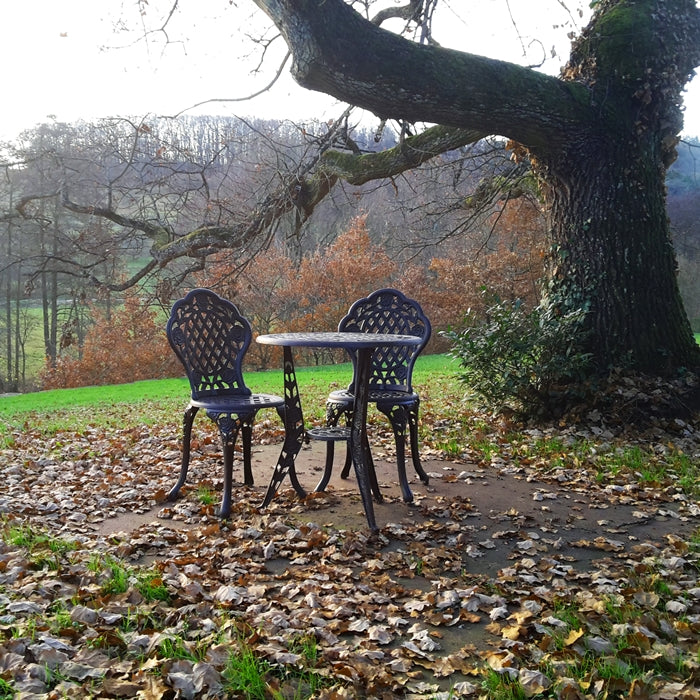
[(600, 138)]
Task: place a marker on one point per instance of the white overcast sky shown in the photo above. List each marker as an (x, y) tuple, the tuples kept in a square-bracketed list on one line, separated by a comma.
[(80, 59)]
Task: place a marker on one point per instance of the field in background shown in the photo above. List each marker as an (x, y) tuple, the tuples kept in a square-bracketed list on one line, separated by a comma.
[(163, 400), (35, 348)]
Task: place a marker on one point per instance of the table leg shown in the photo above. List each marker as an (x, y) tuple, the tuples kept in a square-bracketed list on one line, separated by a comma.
[(293, 433), (359, 445)]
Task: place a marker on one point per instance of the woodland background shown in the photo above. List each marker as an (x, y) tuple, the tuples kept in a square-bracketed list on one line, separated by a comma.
[(78, 310)]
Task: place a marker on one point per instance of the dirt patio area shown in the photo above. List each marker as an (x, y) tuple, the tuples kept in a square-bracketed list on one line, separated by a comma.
[(504, 511), (471, 575)]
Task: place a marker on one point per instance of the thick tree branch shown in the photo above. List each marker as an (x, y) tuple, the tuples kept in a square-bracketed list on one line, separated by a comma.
[(158, 233), (358, 169), (338, 52), (301, 194), (297, 194)]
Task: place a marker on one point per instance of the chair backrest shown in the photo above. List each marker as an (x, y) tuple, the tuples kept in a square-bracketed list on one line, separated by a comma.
[(389, 311), (210, 338)]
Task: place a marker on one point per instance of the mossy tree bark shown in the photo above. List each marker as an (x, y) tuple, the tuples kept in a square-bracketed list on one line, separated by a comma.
[(600, 138), (612, 254)]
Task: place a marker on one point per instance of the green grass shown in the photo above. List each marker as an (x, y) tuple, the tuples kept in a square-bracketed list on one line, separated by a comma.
[(118, 577), (205, 495), (178, 648), (162, 400), (245, 674), (32, 540), (93, 396), (6, 690), (501, 687), (44, 551)]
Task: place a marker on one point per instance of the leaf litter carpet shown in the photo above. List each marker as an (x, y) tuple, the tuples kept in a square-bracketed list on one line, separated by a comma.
[(502, 568)]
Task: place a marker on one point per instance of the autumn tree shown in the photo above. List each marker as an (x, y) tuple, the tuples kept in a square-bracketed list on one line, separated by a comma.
[(506, 263), (330, 279), (344, 271), (127, 345)]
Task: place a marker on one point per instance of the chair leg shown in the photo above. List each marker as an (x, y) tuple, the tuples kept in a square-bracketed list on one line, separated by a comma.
[(247, 437), (187, 421), (228, 428), (398, 419), (345, 473), (413, 432)]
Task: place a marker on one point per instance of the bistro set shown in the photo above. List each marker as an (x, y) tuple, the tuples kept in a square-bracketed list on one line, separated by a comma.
[(383, 335)]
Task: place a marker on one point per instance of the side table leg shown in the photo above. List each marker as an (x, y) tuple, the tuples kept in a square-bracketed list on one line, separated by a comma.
[(358, 434), (293, 433)]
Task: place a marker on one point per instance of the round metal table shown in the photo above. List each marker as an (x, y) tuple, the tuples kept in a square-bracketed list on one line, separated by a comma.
[(364, 344)]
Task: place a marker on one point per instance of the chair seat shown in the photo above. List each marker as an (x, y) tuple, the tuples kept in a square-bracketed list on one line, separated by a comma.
[(393, 396), (234, 403)]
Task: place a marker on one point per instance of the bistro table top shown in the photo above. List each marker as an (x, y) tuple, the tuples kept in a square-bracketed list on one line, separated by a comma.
[(337, 339)]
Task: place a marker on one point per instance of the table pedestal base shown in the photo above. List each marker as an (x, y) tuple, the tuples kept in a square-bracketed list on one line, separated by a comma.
[(364, 345), (357, 435), (293, 433)]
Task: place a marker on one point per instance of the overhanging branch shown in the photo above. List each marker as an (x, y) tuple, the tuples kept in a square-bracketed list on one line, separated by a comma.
[(410, 153), (339, 53), (158, 233)]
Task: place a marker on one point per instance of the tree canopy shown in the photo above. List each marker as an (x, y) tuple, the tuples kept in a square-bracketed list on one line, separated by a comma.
[(599, 137)]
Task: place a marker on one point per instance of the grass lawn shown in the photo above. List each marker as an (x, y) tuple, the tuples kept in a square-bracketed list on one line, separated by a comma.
[(162, 400)]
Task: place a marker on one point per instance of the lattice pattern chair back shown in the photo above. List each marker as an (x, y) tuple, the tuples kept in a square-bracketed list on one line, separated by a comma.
[(390, 388), (210, 337), (389, 311)]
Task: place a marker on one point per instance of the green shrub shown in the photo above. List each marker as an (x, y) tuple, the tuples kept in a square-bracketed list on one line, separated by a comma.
[(529, 362)]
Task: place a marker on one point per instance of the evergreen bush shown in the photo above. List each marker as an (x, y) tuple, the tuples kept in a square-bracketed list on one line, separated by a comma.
[(528, 362)]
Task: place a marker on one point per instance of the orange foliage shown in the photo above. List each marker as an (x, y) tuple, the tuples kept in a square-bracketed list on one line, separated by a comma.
[(330, 280), (129, 346), (511, 269), (275, 295)]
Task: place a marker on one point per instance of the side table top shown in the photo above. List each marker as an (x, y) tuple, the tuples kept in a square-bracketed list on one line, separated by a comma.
[(337, 339)]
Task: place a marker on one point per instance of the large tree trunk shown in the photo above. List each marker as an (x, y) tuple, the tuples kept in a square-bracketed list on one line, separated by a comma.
[(612, 251), (600, 138), (612, 254)]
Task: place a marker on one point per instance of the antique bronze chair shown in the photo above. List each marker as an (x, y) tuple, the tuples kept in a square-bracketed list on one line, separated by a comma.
[(384, 311), (210, 338)]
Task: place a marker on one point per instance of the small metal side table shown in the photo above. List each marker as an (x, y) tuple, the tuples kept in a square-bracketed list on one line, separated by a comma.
[(364, 344)]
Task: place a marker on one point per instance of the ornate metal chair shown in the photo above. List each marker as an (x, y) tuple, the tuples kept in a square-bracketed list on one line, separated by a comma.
[(210, 338), (384, 311)]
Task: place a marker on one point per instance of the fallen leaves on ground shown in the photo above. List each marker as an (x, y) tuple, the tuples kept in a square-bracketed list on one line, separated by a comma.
[(333, 613)]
